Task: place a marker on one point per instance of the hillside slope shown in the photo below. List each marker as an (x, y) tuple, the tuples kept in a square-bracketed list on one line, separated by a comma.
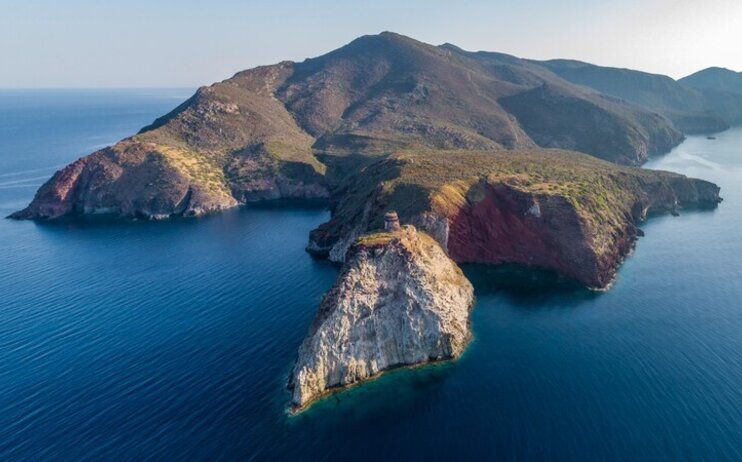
[(715, 78), (722, 88), (230, 143), (690, 108), (261, 134)]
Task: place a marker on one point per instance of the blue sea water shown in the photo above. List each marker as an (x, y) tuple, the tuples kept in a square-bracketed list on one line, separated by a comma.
[(173, 340)]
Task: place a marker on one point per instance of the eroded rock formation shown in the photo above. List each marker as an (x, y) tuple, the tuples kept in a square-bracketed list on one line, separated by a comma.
[(399, 301)]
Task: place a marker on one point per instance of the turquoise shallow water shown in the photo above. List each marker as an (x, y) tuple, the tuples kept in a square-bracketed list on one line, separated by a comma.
[(172, 340)]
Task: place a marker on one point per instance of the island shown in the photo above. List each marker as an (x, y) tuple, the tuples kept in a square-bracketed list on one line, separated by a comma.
[(486, 158), (294, 130)]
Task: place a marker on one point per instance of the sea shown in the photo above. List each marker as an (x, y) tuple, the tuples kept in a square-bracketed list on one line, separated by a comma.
[(173, 340)]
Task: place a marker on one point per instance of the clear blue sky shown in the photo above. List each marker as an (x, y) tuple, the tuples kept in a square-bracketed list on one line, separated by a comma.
[(136, 43)]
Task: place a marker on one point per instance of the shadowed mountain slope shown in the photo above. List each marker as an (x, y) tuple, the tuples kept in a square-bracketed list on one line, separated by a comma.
[(715, 78), (722, 89), (691, 108)]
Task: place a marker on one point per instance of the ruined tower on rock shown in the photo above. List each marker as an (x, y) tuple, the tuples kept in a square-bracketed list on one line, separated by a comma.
[(391, 221)]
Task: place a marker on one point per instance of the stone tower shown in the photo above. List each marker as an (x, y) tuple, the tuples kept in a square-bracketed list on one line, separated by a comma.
[(391, 221)]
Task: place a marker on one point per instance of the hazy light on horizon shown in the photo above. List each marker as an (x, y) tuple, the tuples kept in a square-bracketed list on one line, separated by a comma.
[(80, 43)]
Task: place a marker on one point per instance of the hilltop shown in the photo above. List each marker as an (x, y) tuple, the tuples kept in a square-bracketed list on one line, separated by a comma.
[(715, 78)]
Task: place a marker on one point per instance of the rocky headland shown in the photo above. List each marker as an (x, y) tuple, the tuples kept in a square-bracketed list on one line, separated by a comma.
[(399, 301), (551, 209)]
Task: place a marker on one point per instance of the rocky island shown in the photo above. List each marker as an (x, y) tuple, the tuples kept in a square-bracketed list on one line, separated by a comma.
[(293, 130), (399, 301), (490, 158)]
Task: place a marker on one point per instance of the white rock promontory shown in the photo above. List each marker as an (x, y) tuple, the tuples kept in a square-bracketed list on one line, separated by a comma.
[(399, 301)]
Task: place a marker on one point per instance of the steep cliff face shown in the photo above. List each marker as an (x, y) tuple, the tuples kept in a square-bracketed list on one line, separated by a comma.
[(556, 210), (130, 179), (399, 301)]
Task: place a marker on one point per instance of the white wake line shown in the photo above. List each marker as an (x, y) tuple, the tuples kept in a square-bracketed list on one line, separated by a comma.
[(25, 180), (21, 186), (699, 160), (23, 172)]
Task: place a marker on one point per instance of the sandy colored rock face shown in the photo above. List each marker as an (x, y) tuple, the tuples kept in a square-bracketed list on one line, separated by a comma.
[(399, 301)]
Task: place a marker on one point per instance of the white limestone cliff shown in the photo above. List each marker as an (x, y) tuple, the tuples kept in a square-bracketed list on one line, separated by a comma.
[(399, 301)]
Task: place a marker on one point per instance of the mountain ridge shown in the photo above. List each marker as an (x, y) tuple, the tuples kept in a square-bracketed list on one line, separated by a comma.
[(284, 130), (717, 78)]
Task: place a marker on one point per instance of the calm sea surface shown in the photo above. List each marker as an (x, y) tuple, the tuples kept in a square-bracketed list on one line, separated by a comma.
[(173, 340)]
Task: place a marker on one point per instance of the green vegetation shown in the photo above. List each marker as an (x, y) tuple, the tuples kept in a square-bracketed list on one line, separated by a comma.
[(375, 238), (203, 170), (442, 182)]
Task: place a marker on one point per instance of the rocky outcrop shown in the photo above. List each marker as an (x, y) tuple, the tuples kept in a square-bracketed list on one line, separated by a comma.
[(229, 144), (555, 210), (399, 301), (131, 180)]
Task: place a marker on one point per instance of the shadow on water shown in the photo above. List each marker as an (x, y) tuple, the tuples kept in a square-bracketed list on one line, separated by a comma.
[(407, 391), (703, 209), (526, 287)]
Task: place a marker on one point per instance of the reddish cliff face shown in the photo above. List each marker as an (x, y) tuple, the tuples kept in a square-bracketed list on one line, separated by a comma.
[(546, 209), (57, 197), (510, 226)]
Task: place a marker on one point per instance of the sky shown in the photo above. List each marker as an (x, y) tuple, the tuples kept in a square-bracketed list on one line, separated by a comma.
[(137, 43)]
